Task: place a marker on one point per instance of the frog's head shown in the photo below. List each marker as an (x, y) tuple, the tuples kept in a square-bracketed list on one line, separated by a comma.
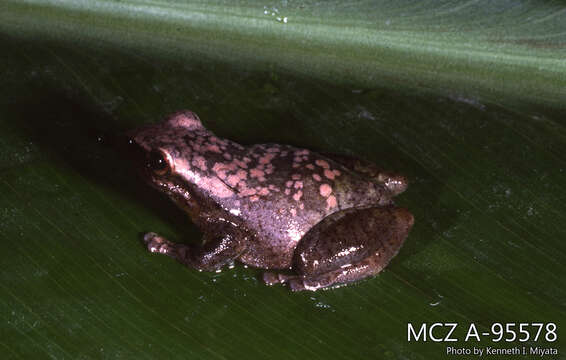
[(167, 157)]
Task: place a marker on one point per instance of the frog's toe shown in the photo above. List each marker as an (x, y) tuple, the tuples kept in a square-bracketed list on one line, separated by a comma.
[(156, 243), (297, 284), (271, 278), (148, 237), (395, 183)]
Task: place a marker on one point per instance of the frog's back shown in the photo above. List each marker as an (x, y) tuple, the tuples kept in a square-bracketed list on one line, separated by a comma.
[(286, 191)]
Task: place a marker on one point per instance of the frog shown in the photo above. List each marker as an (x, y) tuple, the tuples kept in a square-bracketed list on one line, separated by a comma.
[(310, 220)]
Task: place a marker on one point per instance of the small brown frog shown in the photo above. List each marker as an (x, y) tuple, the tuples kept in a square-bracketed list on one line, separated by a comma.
[(329, 219)]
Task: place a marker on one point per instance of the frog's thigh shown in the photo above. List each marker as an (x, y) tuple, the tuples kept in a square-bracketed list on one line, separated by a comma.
[(350, 245), (396, 183)]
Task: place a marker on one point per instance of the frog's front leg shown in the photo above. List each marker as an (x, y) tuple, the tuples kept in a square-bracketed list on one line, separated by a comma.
[(347, 246), (221, 246)]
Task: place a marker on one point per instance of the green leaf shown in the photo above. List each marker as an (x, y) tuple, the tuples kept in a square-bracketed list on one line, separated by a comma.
[(466, 98)]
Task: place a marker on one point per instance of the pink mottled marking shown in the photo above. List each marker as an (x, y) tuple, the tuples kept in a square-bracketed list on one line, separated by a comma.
[(329, 174), (273, 149), (241, 163), (223, 166), (297, 196), (289, 183), (293, 212), (298, 185), (247, 191), (322, 163), (254, 198), (233, 180), (266, 159), (240, 175), (331, 202), (247, 159), (199, 162), (337, 172), (296, 176), (256, 173), (301, 206), (263, 191), (214, 148), (227, 156), (298, 159), (302, 152), (310, 166), (316, 177), (269, 170), (216, 187), (325, 190), (296, 165), (287, 191), (221, 174)]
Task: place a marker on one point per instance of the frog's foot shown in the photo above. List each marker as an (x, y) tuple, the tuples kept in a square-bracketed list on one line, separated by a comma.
[(369, 266), (295, 282), (158, 244), (271, 278), (300, 283)]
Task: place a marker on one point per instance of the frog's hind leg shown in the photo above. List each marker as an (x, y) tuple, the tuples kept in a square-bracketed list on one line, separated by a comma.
[(347, 246), (216, 251), (395, 183)]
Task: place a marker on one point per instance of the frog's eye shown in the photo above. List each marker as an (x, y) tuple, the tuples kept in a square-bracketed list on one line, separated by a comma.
[(157, 162)]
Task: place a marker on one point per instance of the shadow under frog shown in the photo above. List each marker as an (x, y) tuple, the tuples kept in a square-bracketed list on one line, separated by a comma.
[(329, 219)]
